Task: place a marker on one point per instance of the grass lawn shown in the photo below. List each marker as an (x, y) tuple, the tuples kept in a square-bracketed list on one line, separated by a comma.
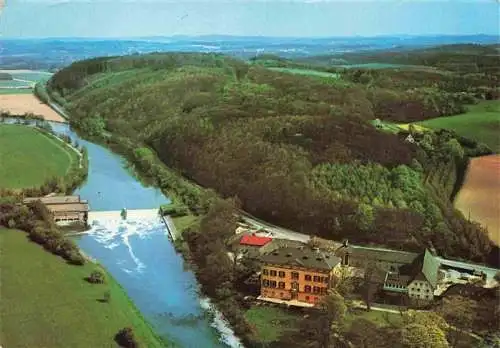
[(481, 123), (378, 317), (183, 222), (29, 157), (269, 323), (46, 303)]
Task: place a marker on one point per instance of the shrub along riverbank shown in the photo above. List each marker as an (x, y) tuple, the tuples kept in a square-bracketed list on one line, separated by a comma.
[(99, 312)]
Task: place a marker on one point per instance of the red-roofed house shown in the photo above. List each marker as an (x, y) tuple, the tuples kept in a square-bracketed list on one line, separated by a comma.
[(253, 240), (251, 245)]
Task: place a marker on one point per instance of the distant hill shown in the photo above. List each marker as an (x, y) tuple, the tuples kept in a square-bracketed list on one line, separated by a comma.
[(53, 53)]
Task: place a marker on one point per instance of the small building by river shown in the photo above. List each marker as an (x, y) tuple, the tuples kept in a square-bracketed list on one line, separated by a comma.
[(64, 209)]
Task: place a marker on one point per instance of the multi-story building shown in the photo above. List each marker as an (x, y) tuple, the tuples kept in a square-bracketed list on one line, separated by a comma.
[(418, 279), (411, 274), (64, 209), (302, 274)]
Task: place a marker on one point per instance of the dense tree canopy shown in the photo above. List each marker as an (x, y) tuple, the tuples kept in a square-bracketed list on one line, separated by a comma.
[(297, 151)]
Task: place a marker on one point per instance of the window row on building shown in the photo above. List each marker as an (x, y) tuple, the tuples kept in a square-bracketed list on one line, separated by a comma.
[(316, 290), (396, 286), (273, 273), (294, 275), (418, 289), (316, 279), (273, 284)]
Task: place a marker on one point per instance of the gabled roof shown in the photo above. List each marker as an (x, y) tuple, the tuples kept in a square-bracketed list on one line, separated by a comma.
[(301, 257), (250, 239), (425, 267), (377, 254), (55, 200)]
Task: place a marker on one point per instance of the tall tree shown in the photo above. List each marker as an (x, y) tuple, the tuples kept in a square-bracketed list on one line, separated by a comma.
[(460, 312), (423, 330)]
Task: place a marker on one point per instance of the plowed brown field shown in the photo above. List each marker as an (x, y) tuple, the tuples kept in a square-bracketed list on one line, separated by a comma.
[(480, 194), (25, 103)]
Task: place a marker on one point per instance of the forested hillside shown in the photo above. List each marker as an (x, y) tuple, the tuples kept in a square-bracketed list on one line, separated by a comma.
[(423, 84), (455, 57), (297, 151)]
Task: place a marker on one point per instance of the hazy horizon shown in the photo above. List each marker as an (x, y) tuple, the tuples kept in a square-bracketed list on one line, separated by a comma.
[(121, 19)]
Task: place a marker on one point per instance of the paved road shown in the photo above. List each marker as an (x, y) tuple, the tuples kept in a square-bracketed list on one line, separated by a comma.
[(277, 232)]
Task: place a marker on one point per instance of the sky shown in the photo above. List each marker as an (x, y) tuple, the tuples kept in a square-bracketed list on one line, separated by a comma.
[(279, 18)]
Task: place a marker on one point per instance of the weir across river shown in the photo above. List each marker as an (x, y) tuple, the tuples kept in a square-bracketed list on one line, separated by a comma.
[(131, 215)]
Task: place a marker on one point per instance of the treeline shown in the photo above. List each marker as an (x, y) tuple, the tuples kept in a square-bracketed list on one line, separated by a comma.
[(412, 95), (463, 58), (35, 219), (409, 95), (214, 270), (256, 134)]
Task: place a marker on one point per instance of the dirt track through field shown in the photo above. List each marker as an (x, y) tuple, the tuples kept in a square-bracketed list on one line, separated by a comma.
[(480, 194), (27, 103)]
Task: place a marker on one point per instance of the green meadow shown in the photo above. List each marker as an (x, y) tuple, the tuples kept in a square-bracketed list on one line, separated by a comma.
[(481, 122), (29, 158), (270, 323), (47, 303)]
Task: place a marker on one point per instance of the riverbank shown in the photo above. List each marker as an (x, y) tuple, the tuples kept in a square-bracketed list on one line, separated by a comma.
[(37, 160), (78, 316), (149, 168)]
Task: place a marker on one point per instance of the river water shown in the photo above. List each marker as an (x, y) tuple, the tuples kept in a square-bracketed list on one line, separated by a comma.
[(141, 258)]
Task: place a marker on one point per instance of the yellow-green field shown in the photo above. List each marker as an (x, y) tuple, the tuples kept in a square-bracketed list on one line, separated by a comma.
[(29, 158), (46, 303), (418, 128)]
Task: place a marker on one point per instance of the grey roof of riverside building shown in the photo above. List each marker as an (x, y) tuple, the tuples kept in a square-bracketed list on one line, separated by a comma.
[(393, 256), (56, 200), (425, 267), (301, 257)]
